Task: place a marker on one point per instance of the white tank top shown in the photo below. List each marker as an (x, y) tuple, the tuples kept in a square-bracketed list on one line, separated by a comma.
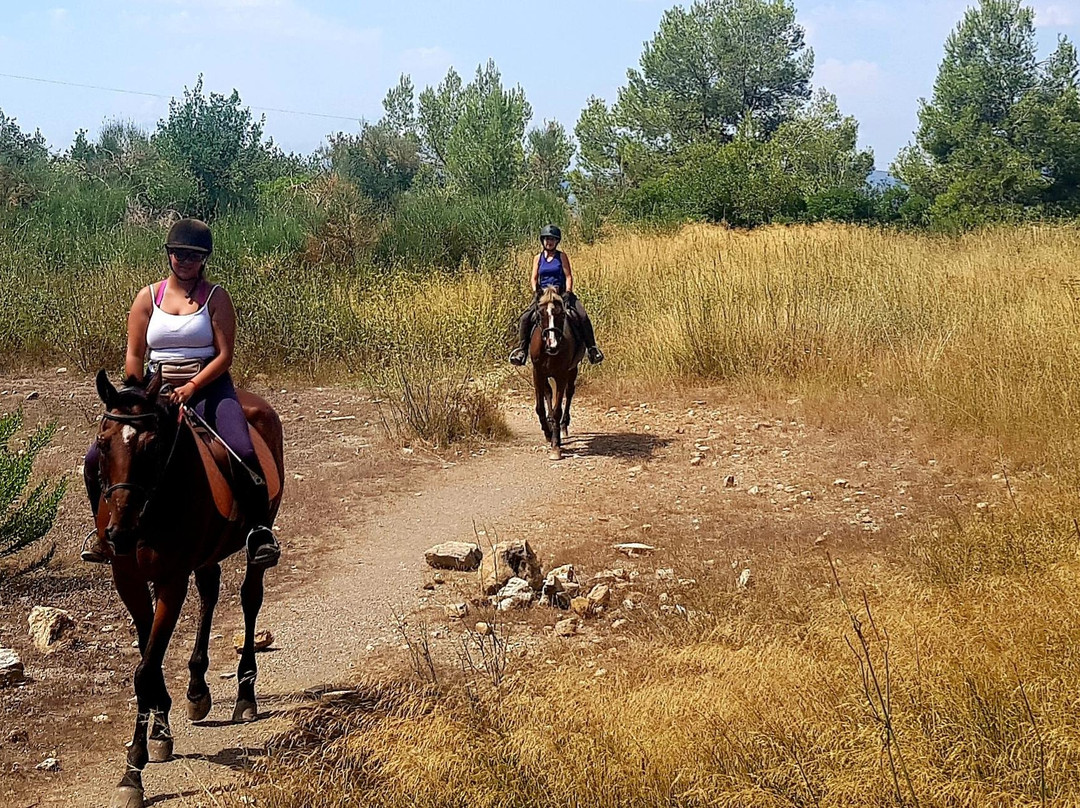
[(180, 336)]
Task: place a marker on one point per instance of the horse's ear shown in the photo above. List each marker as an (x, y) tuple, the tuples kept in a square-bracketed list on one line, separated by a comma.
[(153, 387), (105, 389)]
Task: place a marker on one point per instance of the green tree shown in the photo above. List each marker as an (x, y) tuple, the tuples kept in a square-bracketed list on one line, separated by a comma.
[(485, 152), (999, 138), (710, 66), (381, 162), (818, 148), (216, 139), (438, 112), (26, 513), (549, 151)]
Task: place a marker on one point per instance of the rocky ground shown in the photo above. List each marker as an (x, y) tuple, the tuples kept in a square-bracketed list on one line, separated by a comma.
[(708, 481)]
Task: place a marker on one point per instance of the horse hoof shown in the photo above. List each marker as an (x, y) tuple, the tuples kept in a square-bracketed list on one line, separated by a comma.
[(555, 454), (198, 709), (127, 797), (160, 751), (245, 711)]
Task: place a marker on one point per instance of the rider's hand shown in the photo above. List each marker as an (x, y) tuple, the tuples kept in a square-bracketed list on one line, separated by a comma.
[(183, 394)]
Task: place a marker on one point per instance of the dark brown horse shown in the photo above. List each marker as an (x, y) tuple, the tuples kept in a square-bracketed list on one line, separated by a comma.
[(555, 351), (162, 510)]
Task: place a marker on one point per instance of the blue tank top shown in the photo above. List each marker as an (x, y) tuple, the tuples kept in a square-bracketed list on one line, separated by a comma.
[(551, 272)]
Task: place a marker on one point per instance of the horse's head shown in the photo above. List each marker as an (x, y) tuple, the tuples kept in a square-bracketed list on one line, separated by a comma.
[(552, 315), (137, 433)]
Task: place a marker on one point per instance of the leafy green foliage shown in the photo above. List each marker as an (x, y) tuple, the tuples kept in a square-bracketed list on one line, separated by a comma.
[(548, 154), (217, 140), (26, 516), (711, 66), (999, 138)]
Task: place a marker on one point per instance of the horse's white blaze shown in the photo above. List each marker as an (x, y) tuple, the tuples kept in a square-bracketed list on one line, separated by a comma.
[(128, 433), (550, 334)]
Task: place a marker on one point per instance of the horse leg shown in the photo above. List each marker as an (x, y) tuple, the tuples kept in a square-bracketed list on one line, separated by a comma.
[(152, 698), (543, 392), (571, 386), (555, 419), (208, 582), (251, 598)]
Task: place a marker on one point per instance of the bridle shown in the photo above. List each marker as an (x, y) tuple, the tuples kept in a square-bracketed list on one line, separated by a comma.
[(146, 491)]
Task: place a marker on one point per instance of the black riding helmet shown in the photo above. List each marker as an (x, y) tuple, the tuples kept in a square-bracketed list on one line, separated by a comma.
[(551, 231), (190, 234)]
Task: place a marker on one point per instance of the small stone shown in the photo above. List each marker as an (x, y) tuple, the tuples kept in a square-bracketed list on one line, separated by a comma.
[(101, 719), (19, 736), (49, 765), (11, 668), (665, 574), (754, 490), (512, 559), (33, 396), (599, 672), (695, 460), (48, 628), (61, 371), (581, 606), (263, 640), (635, 549), (438, 578), (864, 464), (517, 594), (634, 470), (729, 481), (619, 623), (455, 611), (840, 482), (744, 581), (567, 627), (454, 555), (600, 595), (560, 587)]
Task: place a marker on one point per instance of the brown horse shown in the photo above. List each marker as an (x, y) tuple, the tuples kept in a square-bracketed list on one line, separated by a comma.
[(162, 511), (555, 351)]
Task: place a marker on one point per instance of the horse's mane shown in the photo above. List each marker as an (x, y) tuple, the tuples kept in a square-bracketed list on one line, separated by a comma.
[(132, 393), (550, 295)]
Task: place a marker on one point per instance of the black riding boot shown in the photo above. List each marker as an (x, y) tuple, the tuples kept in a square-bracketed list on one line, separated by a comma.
[(595, 354), (96, 549), (521, 353), (263, 549)]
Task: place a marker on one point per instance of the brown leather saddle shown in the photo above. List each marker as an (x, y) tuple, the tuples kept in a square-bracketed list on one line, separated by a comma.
[(219, 469)]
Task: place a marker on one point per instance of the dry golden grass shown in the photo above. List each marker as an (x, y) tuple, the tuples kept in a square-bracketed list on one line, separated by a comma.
[(943, 670)]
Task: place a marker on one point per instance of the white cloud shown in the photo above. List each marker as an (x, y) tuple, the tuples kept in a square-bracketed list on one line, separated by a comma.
[(1055, 14), (858, 78)]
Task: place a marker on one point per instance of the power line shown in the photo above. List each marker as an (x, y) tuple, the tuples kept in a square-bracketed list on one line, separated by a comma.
[(169, 97)]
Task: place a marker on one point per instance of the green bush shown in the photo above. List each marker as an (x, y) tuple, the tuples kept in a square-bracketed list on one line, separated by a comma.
[(434, 228), (26, 516)]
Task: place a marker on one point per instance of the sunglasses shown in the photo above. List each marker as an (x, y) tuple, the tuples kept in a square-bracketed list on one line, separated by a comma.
[(187, 256)]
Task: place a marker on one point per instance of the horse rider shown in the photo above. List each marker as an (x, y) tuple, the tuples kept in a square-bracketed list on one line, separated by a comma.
[(552, 268), (188, 326)]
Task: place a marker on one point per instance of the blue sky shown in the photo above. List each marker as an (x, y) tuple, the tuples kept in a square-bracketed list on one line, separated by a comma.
[(339, 58)]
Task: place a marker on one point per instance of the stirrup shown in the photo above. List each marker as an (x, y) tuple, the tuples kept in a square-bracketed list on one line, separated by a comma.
[(596, 356), (518, 357), (92, 553), (263, 549)]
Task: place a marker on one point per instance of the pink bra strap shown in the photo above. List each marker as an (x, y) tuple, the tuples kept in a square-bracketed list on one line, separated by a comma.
[(160, 293)]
